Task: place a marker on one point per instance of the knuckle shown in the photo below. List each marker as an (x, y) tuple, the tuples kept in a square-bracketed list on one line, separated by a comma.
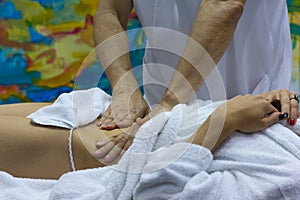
[(285, 101), (233, 9), (123, 139), (264, 124), (294, 104), (283, 91)]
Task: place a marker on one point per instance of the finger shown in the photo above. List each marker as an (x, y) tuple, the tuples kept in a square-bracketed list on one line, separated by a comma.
[(139, 112), (103, 151), (105, 117), (101, 120), (277, 104), (131, 117), (285, 101), (270, 119), (126, 146), (294, 112), (121, 140), (100, 144), (109, 124), (113, 154), (269, 108), (270, 97), (124, 123), (141, 121)]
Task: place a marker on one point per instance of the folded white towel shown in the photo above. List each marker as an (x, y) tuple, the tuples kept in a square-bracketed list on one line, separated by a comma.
[(71, 110), (264, 165)]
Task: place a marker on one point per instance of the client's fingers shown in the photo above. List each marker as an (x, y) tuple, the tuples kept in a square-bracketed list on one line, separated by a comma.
[(116, 150), (127, 145), (269, 108), (270, 97), (276, 103), (102, 143), (104, 150), (285, 101), (294, 111), (270, 119)]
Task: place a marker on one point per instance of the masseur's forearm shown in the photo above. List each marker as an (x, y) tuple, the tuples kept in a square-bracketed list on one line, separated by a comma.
[(213, 30), (111, 41)]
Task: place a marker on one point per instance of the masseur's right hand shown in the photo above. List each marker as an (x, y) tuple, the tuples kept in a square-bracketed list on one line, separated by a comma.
[(127, 105)]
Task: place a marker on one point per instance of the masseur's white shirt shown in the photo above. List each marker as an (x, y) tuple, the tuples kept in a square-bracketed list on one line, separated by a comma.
[(257, 60)]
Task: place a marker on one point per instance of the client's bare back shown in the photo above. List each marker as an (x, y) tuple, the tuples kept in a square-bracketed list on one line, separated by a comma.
[(29, 150)]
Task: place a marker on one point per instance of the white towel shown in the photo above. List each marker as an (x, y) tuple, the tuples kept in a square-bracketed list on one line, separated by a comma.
[(71, 110), (263, 165)]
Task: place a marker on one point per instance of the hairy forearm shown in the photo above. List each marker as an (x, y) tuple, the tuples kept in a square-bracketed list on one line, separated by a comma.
[(112, 47), (211, 33)]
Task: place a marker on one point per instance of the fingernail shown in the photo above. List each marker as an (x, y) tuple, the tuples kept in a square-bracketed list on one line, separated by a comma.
[(106, 126), (292, 121), (283, 116), (98, 154), (103, 126), (100, 143), (122, 152), (108, 158)]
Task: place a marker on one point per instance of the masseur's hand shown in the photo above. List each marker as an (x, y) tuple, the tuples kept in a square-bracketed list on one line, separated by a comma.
[(286, 102), (127, 105), (249, 114), (109, 149)]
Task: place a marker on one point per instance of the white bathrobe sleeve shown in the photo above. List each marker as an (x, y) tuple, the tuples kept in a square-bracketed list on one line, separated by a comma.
[(241, 169)]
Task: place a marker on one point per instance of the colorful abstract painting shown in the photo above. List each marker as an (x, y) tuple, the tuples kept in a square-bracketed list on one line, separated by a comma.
[(46, 48), (43, 44), (294, 15)]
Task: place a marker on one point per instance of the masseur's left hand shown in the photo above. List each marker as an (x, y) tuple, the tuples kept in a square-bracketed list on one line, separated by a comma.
[(109, 149), (286, 102)]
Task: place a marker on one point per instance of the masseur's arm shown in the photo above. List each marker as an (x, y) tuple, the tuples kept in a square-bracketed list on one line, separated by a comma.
[(112, 48), (211, 33), (213, 29)]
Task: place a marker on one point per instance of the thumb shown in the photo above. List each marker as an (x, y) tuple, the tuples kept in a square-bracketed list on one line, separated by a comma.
[(141, 121), (271, 119)]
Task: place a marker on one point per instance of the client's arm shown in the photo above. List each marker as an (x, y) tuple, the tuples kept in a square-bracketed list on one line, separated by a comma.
[(247, 114), (262, 166)]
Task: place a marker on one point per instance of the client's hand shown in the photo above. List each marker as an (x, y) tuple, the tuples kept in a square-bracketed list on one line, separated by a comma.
[(286, 101), (110, 148), (251, 113)]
